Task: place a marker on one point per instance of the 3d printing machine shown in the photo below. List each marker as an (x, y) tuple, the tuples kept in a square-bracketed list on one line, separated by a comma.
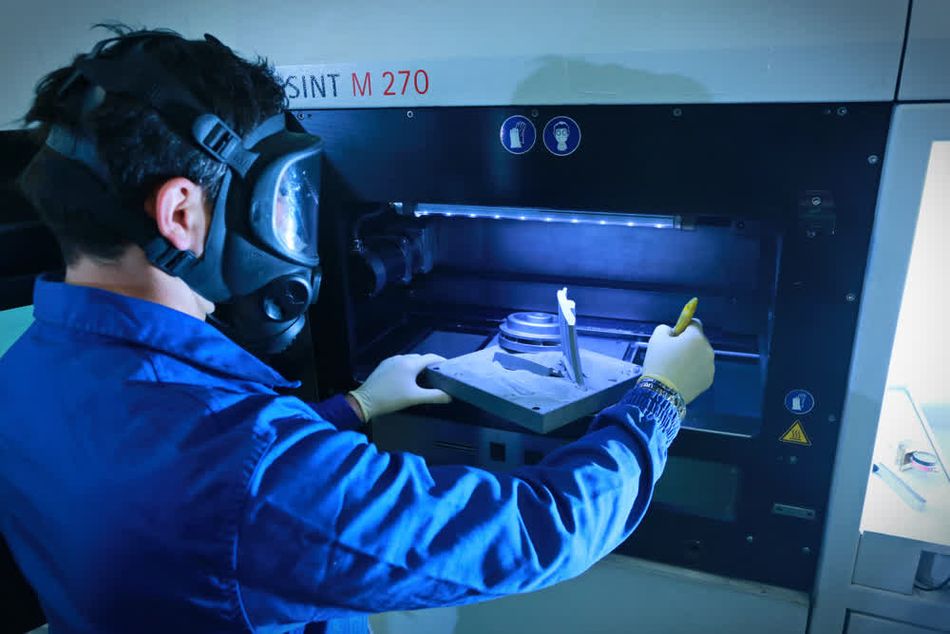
[(436, 237)]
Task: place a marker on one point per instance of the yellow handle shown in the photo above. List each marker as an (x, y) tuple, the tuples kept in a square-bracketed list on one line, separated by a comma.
[(685, 317)]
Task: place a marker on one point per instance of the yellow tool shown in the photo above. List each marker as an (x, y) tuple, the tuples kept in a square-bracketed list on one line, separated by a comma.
[(685, 317)]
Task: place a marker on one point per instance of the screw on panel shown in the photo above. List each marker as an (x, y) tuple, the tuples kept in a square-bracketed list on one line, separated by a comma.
[(749, 539), (873, 159), (815, 201), (850, 297), (841, 111), (806, 550), (677, 112), (410, 114), (535, 113), (811, 233), (832, 418)]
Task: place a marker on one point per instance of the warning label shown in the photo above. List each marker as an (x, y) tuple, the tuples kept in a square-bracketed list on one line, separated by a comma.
[(796, 435)]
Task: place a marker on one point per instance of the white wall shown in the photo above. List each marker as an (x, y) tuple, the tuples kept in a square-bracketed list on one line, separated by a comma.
[(737, 50), (925, 75), (922, 343)]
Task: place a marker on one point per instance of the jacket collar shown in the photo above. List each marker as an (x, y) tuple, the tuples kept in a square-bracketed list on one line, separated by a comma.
[(147, 324)]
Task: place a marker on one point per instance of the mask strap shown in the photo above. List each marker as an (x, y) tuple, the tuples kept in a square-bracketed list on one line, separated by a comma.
[(160, 89), (81, 150), (268, 127)]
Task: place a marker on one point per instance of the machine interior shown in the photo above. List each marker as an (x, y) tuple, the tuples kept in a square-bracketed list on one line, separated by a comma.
[(442, 278)]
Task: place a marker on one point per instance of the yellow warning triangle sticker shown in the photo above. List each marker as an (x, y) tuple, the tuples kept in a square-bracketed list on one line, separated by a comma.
[(796, 435)]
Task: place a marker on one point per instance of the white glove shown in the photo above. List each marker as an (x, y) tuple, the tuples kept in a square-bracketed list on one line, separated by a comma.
[(392, 386), (683, 363)]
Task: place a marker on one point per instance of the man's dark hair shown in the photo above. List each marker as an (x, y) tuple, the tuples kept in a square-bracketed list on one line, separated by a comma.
[(140, 150)]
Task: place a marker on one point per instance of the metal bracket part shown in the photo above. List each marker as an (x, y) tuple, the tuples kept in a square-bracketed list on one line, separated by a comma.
[(567, 321)]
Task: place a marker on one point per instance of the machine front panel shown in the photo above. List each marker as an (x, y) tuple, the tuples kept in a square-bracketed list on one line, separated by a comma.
[(435, 232)]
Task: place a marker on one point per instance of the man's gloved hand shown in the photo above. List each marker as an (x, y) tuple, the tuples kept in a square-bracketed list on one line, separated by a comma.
[(683, 363), (392, 386)]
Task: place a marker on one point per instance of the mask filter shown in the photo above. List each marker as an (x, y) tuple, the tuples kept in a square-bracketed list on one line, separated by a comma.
[(267, 321)]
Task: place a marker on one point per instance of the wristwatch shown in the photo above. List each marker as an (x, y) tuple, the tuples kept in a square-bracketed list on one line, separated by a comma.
[(664, 390), (664, 394)]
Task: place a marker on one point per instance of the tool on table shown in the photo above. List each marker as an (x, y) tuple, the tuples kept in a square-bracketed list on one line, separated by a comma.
[(903, 490)]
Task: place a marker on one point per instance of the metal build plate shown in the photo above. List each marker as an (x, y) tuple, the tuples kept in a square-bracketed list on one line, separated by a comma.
[(540, 403)]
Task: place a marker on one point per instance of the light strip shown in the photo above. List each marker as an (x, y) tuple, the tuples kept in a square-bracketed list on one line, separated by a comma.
[(549, 215)]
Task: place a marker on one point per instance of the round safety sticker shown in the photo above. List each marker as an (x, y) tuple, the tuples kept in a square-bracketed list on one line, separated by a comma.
[(799, 402), (518, 134), (562, 136)]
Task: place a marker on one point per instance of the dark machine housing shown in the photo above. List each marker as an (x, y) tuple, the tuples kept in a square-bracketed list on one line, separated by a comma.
[(434, 237), (433, 234)]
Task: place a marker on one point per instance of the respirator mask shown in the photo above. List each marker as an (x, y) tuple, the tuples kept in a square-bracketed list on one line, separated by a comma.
[(260, 264)]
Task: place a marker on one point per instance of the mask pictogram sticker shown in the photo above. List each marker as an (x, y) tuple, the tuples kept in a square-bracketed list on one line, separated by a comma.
[(562, 136)]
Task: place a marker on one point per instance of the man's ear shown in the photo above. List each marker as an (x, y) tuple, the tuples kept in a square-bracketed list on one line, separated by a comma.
[(177, 206)]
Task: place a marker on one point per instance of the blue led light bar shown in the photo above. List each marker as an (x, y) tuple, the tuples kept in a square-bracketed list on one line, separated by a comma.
[(549, 215)]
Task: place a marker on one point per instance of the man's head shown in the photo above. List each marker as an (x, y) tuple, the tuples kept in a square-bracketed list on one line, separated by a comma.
[(152, 169), (170, 172), (561, 132)]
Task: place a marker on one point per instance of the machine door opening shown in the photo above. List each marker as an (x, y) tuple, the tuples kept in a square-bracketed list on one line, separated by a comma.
[(454, 279)]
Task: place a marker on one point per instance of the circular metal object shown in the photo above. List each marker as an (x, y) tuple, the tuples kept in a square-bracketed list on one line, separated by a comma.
[(749, 539), (677, 112), (850, 297), (924, 461), (873, 159), (410, 114), (529, 332), (806, 550), (841, 111), (535, 113), (815, 201)]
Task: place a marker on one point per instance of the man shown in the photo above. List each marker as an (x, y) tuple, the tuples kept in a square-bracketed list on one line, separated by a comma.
[(153, 476)]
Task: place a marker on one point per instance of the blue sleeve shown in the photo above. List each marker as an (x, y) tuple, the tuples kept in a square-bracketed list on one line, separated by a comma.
[(338, 412), (335, 527)]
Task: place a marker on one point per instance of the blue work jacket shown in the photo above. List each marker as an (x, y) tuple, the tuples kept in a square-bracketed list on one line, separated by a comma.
[(154, 479)]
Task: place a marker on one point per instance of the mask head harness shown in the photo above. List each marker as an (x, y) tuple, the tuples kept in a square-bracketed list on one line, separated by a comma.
[(260, 257)]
